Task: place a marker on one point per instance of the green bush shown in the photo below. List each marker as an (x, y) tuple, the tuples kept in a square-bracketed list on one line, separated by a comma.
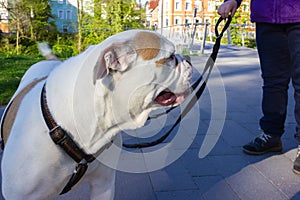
[(62, 50)]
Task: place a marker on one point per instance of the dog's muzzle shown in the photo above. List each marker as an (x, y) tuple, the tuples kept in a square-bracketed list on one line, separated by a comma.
[(170, 98)]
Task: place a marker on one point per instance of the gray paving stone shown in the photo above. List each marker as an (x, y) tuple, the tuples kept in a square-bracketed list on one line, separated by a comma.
[(253, 128), (197, 166), (235, 134), (250, 184), (81, 193), (242, 117), (220, 148), (206, 182), (134, 186), (179, 195), (220, 191), (228, 164), (278, 170), (174, 177)]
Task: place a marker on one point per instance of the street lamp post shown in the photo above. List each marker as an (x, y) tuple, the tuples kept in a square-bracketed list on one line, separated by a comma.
[(161, 17)]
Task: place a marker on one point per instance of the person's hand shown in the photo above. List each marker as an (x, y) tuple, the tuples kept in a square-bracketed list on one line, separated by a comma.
[(228, 7)]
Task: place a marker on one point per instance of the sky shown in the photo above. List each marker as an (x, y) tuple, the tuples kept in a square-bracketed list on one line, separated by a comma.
[(142, 1)]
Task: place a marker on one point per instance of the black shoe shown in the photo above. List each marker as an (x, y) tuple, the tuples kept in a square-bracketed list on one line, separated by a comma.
[(296, 168), (262, 144)]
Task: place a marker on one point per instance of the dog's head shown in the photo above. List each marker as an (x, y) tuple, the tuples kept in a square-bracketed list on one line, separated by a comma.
[(141, 71)]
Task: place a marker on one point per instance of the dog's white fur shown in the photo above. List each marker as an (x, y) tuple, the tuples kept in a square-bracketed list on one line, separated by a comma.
[(93, 96)]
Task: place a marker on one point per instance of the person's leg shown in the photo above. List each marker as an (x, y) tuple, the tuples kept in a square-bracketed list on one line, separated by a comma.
[(294, 45), (293, 31), (274, 55), (272, 45)]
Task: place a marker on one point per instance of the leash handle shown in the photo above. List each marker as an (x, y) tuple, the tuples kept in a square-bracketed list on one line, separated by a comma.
[(228, 21)]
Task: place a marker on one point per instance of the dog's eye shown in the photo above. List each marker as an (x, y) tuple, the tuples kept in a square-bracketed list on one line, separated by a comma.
[(173, 59)]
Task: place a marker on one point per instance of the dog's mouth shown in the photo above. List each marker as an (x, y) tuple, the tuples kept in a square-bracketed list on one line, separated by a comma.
[(167, 98)]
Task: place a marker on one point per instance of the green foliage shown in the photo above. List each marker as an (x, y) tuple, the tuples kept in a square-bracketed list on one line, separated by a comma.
[(109, 18), (64, 46), (237, 29), (31, 21), (30, 18)]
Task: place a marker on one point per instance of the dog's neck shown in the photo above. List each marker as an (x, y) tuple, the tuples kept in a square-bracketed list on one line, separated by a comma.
[(71, 100)]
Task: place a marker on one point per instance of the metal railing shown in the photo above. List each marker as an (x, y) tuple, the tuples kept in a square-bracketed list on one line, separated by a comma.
[(184, 35)]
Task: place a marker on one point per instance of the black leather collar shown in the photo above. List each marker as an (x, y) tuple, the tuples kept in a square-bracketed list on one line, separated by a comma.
[(62, 138)]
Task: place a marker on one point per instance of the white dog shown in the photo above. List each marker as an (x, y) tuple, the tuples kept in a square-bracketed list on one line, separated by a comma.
[(88, 99)]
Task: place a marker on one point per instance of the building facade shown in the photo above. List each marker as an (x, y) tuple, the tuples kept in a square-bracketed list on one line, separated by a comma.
[(4, 17), (65, 13), (175, 14)]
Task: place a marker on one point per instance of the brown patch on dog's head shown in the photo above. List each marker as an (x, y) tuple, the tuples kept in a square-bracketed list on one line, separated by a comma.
[(147, 45), (160, 62)]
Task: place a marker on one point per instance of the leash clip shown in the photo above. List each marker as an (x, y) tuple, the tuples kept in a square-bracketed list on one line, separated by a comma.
[(79, 165)]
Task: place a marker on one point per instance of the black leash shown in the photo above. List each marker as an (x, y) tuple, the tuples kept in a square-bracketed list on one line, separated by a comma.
[(207, 69)]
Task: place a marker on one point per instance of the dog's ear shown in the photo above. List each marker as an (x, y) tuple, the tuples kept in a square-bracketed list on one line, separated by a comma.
[(116, 57)]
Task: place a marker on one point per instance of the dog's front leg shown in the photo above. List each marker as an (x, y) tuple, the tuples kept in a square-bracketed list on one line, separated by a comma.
[(102, 177), (102, 182)]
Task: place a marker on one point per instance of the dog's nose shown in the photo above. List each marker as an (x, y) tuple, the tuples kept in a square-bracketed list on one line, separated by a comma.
[(187, 58), (182, 58)]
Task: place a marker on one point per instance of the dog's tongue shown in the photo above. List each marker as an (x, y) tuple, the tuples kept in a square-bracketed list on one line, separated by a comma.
[(165, 98)]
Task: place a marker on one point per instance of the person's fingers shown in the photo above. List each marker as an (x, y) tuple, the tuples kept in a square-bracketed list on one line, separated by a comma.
[(224, 11), (228, 7), (233, 12), (221, 11)]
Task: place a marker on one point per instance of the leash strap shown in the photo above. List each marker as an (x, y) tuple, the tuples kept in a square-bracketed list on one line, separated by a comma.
[(63, 139), (207, 69)]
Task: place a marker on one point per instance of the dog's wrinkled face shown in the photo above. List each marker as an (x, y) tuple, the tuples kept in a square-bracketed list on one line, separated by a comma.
[(142, 72)]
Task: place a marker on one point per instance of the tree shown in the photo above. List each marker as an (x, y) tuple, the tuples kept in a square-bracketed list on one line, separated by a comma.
[(29, 20), (80, 22), (124, 15), (103, 18)]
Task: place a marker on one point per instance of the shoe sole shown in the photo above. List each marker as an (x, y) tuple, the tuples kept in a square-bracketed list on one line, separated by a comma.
[(274, 149), (296, 171)]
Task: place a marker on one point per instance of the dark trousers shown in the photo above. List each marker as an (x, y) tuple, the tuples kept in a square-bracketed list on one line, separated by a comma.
[(279, 53)]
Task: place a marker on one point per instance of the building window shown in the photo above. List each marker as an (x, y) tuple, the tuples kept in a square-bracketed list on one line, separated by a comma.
[(186, 22), (177, 5), (207, 20), (177, 21), (65, 28), (166, 5), (245, 7), (60, 1), (211, 6), (60, 14), (167, 22), (2, 16), (188, 6), (198, 5), (69, 14)]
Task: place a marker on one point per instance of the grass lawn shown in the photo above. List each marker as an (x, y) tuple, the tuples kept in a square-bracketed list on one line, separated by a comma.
[(11, 71)]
